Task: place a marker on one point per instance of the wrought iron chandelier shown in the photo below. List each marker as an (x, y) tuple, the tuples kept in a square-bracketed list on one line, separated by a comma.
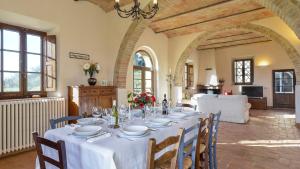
[(136, 12)]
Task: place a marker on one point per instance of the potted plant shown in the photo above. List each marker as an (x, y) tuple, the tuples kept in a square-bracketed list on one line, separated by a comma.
[(91, 69)]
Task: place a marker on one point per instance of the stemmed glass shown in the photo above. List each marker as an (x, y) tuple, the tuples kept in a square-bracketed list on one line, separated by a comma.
[(97, 112), (123, 114)]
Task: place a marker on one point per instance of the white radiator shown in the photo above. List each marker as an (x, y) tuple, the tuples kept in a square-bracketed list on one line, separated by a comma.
[(19, 118)]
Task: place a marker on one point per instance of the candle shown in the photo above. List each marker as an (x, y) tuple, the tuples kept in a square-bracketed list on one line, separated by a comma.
[(117, 1), (170, 70), (155, 1)]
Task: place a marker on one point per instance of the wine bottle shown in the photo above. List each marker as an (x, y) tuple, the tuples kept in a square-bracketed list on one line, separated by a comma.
[(115, 114), (165, 105)]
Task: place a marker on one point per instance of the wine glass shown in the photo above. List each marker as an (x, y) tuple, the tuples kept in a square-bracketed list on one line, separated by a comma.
[(97, 112)]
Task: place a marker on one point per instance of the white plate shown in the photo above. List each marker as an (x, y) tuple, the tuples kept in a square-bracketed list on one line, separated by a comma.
[(177, 115), (135, 130), (87, 130), (189, 112), (178, 109), (152, 125), (160, 121), (89, 121), (123, 135)]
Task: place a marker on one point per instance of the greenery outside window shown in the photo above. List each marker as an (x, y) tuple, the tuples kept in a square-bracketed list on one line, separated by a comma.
[(22, 60), (142, 73)]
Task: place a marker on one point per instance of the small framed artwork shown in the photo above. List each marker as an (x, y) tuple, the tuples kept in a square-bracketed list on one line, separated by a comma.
[(75, 55)]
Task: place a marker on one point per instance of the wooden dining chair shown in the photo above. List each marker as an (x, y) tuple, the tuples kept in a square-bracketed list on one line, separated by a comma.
[(167, 160), (54, 122), (59, 146), (213, 138), (186, 105), (202, 147), (187, 148)]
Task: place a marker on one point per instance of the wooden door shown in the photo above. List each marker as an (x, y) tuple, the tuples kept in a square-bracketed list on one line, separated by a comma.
[(284, 88)]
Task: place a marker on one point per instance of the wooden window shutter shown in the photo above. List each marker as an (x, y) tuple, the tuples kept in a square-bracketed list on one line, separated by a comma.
[(50, 64)]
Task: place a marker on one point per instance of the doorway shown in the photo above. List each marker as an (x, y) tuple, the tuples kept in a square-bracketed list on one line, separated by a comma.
[(284, 88)]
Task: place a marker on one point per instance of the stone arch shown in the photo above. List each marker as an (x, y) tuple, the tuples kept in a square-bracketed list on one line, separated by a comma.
[(285, 44), (128, 44), (287, 10)]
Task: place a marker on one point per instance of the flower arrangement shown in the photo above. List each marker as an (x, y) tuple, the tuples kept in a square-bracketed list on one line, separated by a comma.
[(140, 100), (91, 68)]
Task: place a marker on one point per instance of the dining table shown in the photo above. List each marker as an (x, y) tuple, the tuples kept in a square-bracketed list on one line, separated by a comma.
[(111, 151)]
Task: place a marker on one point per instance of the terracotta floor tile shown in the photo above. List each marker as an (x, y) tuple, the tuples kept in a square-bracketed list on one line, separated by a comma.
[(269, 140)]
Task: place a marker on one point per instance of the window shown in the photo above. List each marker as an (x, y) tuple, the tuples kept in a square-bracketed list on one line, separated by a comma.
[(188, 75), (142, 73), (284, 81), (21, 62), (243, 72)]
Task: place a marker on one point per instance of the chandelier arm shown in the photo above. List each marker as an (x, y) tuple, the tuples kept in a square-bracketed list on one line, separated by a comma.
[(151, 13), (136, 12)]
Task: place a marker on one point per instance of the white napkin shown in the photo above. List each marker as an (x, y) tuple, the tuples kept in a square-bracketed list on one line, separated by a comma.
[(91, 140)]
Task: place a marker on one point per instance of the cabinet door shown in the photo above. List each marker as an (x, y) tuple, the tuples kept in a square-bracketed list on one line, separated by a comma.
[(87, 103), (106, 101)]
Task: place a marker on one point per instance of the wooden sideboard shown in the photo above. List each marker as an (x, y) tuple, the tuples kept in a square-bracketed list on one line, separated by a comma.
[(81, 99), (258, 103)]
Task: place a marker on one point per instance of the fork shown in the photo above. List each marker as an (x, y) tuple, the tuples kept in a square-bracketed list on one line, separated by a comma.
[(125, 138)]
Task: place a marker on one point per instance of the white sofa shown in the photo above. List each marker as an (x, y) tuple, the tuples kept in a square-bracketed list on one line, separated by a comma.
[(234, 108)]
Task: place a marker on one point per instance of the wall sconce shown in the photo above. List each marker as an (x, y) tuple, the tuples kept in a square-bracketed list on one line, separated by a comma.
[(263, 63)]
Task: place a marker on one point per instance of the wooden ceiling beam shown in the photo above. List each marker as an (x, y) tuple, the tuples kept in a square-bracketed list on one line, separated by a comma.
[(193, 10), (235, 40), (209, 20), (229, 36), (233, 45)]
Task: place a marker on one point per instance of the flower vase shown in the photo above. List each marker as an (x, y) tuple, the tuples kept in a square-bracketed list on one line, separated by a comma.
[(92, 81)]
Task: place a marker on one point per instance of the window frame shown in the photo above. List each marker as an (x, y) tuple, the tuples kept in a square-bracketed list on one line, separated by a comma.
[(293, 78), (23, 93), (243, 72), (144, 69), (189, 77)]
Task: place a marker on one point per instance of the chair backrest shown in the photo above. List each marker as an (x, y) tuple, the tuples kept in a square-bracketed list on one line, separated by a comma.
[(186, 105), (203, 138), (54, 122), (215, 127), (169, 156), (191, 143), (59, 146)]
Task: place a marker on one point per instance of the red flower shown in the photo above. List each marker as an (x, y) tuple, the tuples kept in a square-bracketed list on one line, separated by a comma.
[(141, 105), (153, 99)]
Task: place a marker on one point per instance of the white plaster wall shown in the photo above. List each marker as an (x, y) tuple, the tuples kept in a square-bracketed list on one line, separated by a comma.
[(79, 26), (269, 52), (85, 28), (207, 59)]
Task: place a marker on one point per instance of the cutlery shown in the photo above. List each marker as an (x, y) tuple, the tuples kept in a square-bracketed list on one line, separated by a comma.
[(125, 138), (153, 129), (97, 135)]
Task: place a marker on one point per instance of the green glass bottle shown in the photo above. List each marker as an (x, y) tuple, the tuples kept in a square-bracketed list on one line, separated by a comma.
[(115, 114)]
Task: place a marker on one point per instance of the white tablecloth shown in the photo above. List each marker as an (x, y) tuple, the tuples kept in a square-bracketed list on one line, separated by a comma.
[(111, 152)]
